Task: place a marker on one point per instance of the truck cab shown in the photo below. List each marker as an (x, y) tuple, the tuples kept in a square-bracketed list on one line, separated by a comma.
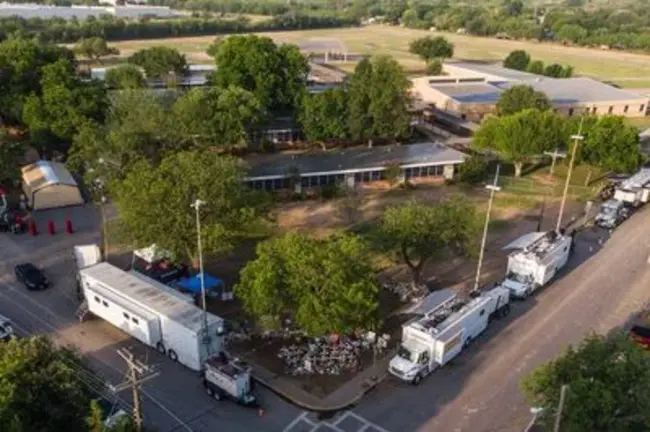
[(413, 361), (612, 213), (6, 329), (225, 378)]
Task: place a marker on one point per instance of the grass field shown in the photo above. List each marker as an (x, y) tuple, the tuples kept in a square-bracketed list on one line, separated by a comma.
[(394, 41)]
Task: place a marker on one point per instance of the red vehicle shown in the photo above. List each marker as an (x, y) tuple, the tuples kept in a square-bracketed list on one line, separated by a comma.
[(640, 331)]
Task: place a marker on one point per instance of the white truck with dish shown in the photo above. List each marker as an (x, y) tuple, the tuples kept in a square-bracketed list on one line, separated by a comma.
[(538, 259), (152, 315), (229, 378), (434, 339)]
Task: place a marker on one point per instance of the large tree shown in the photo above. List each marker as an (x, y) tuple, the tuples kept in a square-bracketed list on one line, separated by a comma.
[(162, 63), (11, 153), (608, 386), (154, 203), (63, 105), (21, 69), (522, 136), (216, 117), (326, 285), (324, 116), (420, 232), (429, 48), (124, 77), (378, 100), (42, 388), (518, 60), (276, 75), (520, 97), (94, 48)]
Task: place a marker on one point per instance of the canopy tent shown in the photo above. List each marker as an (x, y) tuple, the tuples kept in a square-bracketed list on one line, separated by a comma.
[(50, 185), (214, 286)]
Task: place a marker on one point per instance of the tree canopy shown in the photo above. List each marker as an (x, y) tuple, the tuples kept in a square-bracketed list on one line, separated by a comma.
[(326, 285), (154, 203), (324, 116), (275, 75), (521, 97), (124, 77), (608, 389), (161, 63), (518, 60), (41, 388), (521, 136), (378, 100), (429, 48), (94, 48), (419, 232)]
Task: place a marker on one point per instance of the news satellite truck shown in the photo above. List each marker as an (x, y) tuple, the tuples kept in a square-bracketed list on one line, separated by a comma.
[(225, 378), (150, 314), (539, 257), (432, 340)]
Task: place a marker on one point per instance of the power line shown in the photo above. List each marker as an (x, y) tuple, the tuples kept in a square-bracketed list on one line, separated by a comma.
[(138, 373)]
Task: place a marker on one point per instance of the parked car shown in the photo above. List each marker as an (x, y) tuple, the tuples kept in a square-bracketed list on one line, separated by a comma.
[(640, 331), (31, 276)]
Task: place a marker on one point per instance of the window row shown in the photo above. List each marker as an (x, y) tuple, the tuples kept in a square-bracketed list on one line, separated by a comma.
[(126, 315)]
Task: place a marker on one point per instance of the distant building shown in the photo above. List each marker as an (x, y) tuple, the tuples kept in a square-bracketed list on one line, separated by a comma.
[(471, 91), (30, 10)]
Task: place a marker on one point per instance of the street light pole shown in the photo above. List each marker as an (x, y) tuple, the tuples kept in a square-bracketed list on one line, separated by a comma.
[(554, 156), (576, 140), (560, 408), (493, 188), (197, 206)]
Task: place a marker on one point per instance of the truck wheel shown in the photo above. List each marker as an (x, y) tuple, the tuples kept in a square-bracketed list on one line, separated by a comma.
[(212, 392), (417, 379), (467, 343), (161, 348), (505, 311), (172, 355)]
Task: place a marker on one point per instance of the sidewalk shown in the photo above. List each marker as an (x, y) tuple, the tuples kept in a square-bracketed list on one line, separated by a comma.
[(342, 398)]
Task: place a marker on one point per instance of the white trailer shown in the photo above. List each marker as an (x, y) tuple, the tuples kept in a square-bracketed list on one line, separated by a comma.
[(184, 297), (151, 315), (224, 378), (6, 329), (635, 190), (434, 339), (540, 257)]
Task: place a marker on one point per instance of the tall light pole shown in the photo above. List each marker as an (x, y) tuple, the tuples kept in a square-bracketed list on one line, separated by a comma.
[(554, 156), (576, 140), (560, 408), (197, 206), (99, 184), (493, 188)]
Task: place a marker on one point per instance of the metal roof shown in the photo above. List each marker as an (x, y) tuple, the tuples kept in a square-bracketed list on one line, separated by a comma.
[(42, 173), (31, 10), (479, 93), (148, 296), (354, 160), (495, 69)]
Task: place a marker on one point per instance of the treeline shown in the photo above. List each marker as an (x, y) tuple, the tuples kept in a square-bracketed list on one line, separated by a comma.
[(58, 30), (613, 27)]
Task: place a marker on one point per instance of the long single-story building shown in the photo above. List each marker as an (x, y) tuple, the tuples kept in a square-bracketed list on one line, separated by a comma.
[(471, 91), (50, 185), (353, 166)]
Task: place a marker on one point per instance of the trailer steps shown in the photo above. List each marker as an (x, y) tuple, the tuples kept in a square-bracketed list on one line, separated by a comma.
[(82, 311)]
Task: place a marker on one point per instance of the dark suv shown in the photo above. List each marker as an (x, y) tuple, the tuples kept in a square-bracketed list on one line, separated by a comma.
[(31, 276)]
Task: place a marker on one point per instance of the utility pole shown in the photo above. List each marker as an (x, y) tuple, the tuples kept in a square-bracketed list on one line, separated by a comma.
[(576, 141), (493, 188), (138, 373), (99, 184), (560, 408), (197, 206), (554, 156)]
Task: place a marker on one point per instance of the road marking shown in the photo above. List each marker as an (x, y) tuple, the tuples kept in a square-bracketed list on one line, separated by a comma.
[(56, 331), (301, 417), (315, 427)]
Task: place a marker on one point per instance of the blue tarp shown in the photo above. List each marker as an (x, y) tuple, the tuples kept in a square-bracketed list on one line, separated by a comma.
[(193, 284)]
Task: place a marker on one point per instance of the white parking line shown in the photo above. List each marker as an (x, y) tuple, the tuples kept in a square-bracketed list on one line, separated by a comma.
[(300, 418), (315, 427)]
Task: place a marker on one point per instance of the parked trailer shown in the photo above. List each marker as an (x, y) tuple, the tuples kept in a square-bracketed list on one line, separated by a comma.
[(225, 378), (540, 257), (151, 315), (436, 338)]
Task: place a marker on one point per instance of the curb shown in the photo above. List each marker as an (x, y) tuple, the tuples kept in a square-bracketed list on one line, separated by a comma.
[(321, 409)]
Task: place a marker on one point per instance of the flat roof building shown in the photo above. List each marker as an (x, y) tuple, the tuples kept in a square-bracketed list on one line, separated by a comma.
[(80, 12), (472, 90)]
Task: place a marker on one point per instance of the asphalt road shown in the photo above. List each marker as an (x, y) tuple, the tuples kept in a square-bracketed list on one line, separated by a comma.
[(172, 401)]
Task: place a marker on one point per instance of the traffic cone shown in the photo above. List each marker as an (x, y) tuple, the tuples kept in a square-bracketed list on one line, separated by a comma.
[(32, 227), (68, 226), (50, 227)]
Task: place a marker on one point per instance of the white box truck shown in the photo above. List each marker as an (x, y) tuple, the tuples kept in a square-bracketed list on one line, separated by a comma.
[(539, 257), (441, 334), (151, 315), (635, 190), (226, 378)]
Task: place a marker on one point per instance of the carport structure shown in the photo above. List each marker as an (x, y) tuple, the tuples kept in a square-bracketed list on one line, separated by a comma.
[(49, 185)]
